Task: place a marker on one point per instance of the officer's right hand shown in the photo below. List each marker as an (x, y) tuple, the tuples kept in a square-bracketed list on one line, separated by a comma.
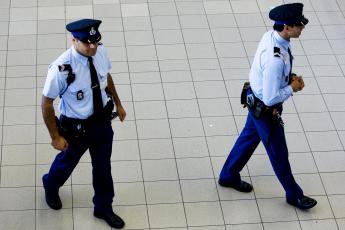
[(60, 143)]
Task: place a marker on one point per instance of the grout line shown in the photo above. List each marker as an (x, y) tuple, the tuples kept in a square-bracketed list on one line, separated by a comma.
[(135, 123)]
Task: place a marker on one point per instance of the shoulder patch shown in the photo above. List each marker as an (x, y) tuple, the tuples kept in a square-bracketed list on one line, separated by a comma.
[(276, 52)]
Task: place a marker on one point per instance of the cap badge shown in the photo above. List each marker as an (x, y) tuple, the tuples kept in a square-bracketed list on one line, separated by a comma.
[(92, 31)]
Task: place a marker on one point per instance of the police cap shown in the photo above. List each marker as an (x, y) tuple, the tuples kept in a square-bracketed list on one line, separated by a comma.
[(85, 30), (288, 14)]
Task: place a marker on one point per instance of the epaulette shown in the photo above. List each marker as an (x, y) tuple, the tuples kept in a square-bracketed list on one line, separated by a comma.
[(276, 52)]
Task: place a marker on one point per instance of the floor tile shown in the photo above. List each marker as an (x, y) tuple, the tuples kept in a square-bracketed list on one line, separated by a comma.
[(159, 170), (190, 8), (10, 219), (240, 212), (126, 171), (330, 161), (165, 22), (245, 227), (324, 141), (337, 203), (150, 110), (182, 108), (199, 190), (186, 127), (125, 150), (319, 224), (156, 148), (204, 213), (139, 37), (162, 8), (23, 14), (129, 193), (18, 155), (81, 11), (311, 122), (82, 196), (190, 147), (341, 224), (267, 187), (22, 27), (210, 89), (217, 7), (107, 10), (331, 182), (160, 215), (17, 198), (153, 129), (202, 168), (54, 220), (25, 176), (186, 90), (163, 192), (193, 21), (221, 20), (310, 183), (135, 217), (276, 209), (224, 126), (145, 92), (220, 145), (19, 134), (165, 37), (134, 10), (293, 225)]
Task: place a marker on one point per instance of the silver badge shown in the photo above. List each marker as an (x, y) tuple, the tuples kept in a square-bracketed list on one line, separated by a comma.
[(92, 31)]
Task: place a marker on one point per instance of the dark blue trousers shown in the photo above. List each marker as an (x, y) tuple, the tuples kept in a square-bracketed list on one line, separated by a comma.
[(273, 138), (98, 139)]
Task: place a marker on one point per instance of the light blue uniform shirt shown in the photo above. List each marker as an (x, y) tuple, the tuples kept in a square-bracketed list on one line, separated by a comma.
[(55, 84), (269, 74)]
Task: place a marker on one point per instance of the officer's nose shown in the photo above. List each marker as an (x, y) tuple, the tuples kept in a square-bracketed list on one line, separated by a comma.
[(92, 45)]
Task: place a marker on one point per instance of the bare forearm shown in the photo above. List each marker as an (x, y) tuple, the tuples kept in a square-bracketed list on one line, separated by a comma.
[(49, 116), (113, 91)]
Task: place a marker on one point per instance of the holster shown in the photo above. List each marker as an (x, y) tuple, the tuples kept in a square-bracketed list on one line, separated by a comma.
[(70, 128)]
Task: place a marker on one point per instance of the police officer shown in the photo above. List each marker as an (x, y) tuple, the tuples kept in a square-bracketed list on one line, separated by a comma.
[(271, 83), (80, 76)]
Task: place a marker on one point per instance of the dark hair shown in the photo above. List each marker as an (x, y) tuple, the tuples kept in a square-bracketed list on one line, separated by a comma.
[(280, 28)]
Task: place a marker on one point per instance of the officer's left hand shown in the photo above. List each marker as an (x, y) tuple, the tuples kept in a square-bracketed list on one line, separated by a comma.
[(300, 81), (121, 112)]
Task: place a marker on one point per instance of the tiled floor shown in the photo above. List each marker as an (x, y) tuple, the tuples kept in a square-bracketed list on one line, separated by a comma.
[(178, 66)]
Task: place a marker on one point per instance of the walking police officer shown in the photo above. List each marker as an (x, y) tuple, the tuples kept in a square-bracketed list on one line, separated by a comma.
[(80, 76), (271, 83)]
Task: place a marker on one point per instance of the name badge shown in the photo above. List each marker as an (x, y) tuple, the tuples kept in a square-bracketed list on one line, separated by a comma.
[(80, 95)]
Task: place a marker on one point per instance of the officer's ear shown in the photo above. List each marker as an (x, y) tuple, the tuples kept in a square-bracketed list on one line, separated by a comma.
[(74, 40)]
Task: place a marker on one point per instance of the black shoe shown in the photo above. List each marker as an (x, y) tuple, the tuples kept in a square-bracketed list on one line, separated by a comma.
[(242, 186), (303, 202), (111, 218), (53, 200)]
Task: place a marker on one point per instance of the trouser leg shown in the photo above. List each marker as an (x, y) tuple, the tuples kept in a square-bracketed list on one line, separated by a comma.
[(277, 151), (241, 152), (100, 151), (63, 166)]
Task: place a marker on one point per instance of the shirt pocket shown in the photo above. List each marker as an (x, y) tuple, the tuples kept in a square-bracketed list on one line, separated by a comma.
[(79, 94)]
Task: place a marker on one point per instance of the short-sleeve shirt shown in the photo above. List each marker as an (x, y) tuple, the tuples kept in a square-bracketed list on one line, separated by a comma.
[(77, 100), (269, 74)]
